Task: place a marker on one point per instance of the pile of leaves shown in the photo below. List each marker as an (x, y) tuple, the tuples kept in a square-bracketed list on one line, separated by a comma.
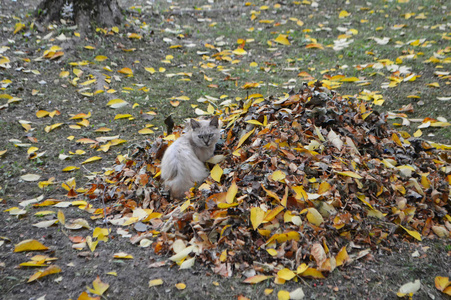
[(302, 184)]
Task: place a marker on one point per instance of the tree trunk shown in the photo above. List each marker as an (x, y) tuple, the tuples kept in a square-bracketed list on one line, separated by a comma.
[(101, 13)]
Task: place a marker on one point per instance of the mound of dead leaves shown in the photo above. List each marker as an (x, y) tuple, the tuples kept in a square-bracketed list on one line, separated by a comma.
[(302, 184)]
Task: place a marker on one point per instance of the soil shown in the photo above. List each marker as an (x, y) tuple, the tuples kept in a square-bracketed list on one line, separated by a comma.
[(375, 276)]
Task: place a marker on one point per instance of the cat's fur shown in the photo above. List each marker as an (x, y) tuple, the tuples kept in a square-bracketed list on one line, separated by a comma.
[(183, 163)]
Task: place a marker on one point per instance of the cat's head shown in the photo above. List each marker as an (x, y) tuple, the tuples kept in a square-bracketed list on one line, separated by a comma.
[(205, 133)]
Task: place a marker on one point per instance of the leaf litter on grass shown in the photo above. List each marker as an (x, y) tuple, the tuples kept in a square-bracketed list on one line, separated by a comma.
[(305, 200)]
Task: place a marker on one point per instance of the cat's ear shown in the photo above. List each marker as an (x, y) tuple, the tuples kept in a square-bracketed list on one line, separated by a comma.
[(214, 122), (194, 124)]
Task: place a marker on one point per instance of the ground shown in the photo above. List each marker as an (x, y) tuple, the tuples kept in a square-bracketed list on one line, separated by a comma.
[(166, 59)]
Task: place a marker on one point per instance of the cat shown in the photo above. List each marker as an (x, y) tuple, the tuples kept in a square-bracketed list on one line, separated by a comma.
[(183, 163)]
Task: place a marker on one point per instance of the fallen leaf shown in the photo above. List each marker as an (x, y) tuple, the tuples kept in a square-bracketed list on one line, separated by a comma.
[(98, 287), (53, 269), (155, 282), (256, 279), (216, 173)]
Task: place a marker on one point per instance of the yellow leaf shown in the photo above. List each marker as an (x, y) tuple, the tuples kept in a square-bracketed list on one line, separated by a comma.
[(50, 270), (155, 282), (314, 217), (31, 150), (42, 113), (61, 217), (273, 213), (134, 36), (257, 216), (84, 123), (123, 255), (256, 279), (249, 85), (324, 187), (223, 256), (51, 127), (103, 129), (183, 98), (18, 27), (271, 252), (81, 116), (314, 46), (98, 232), (116, 103), (278, 176), (417, 133), (434, 84), (26, 126), (216, 173), (350, 174), (91, 244), (244, 138), (122, 116), (301, 194), (180, 286), (126, 71), (396, 139), (311, 272), (282, 39), (161, 70), (286, 274), (342, 257), (150, 70), (349, 79), (239, 51), (91, 159), (283, 295), (90, 47), (302, 268), (145, 131), (441, 283), (343, 14), (254, 122), (29, 245), (231, 192), (34, 263), (100, 58), (413, 233), (64, 74), (88, 82), (99, 287), (3, 152)]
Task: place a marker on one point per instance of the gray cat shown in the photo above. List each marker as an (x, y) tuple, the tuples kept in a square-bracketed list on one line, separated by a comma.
[(183, 163)]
